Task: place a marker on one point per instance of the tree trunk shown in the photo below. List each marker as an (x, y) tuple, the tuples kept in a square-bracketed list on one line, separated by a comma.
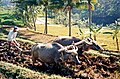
[(117, 43), (89, 16), (95, 37), (33, 18), (45, 31), (69, 24)]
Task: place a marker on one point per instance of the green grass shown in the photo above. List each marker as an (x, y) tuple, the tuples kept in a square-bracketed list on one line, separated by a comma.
[(103, 38), (17, 72)]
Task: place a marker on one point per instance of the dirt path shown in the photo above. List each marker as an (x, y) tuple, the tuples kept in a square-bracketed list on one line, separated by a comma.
[(37, 37)]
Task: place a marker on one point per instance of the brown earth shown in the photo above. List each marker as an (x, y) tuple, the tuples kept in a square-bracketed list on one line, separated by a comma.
[(37, 37)]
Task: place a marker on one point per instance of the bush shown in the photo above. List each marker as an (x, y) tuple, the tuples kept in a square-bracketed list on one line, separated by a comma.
[(8, 22), (6, 16), (19, 23)]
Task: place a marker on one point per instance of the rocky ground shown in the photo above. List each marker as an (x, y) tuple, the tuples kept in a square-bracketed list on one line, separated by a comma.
[(93, 67)]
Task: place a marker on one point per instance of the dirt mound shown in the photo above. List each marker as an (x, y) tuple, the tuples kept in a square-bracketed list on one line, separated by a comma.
[(92, 67)]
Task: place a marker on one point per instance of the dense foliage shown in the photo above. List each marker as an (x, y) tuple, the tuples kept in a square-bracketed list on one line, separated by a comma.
[(106, 12)]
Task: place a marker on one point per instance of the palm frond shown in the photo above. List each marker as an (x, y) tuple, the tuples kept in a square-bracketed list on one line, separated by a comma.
[(84, 5), (99, 29), (91, 29), (80, 30)]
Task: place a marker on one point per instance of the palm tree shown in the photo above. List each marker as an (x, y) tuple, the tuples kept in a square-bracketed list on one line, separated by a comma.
[(87, 4), (90, 4), (68, 7), (115, 34), (45, 4)]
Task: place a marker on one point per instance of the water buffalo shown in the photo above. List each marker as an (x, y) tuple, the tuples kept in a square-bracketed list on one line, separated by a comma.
[(83, 45), (51, 53), (66, 40)]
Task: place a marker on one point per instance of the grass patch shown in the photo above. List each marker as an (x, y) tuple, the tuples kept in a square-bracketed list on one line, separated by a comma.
[(17, 72), (103, 38)]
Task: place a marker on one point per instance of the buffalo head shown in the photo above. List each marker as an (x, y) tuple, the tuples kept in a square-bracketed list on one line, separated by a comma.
[(70, 54), (89, 43)]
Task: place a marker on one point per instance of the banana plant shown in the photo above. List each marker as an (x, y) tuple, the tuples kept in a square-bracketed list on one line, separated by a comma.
[(115, 34), (95, 32), (81, 33)]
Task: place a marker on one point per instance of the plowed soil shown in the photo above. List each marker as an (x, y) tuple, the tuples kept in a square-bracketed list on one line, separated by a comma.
[(92, 67)]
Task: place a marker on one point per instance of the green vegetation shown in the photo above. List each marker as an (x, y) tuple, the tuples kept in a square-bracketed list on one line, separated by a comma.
[(17, 72), (106, 12), (95, 32), (115, 35), (7, 17)]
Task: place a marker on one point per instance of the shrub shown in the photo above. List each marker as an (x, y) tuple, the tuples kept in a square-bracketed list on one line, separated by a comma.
[(8, 22), (19, 23), (5, 16)]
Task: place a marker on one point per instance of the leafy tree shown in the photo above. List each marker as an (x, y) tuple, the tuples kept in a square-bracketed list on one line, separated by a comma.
[(0, 2), (56, 6), (26, 10)]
